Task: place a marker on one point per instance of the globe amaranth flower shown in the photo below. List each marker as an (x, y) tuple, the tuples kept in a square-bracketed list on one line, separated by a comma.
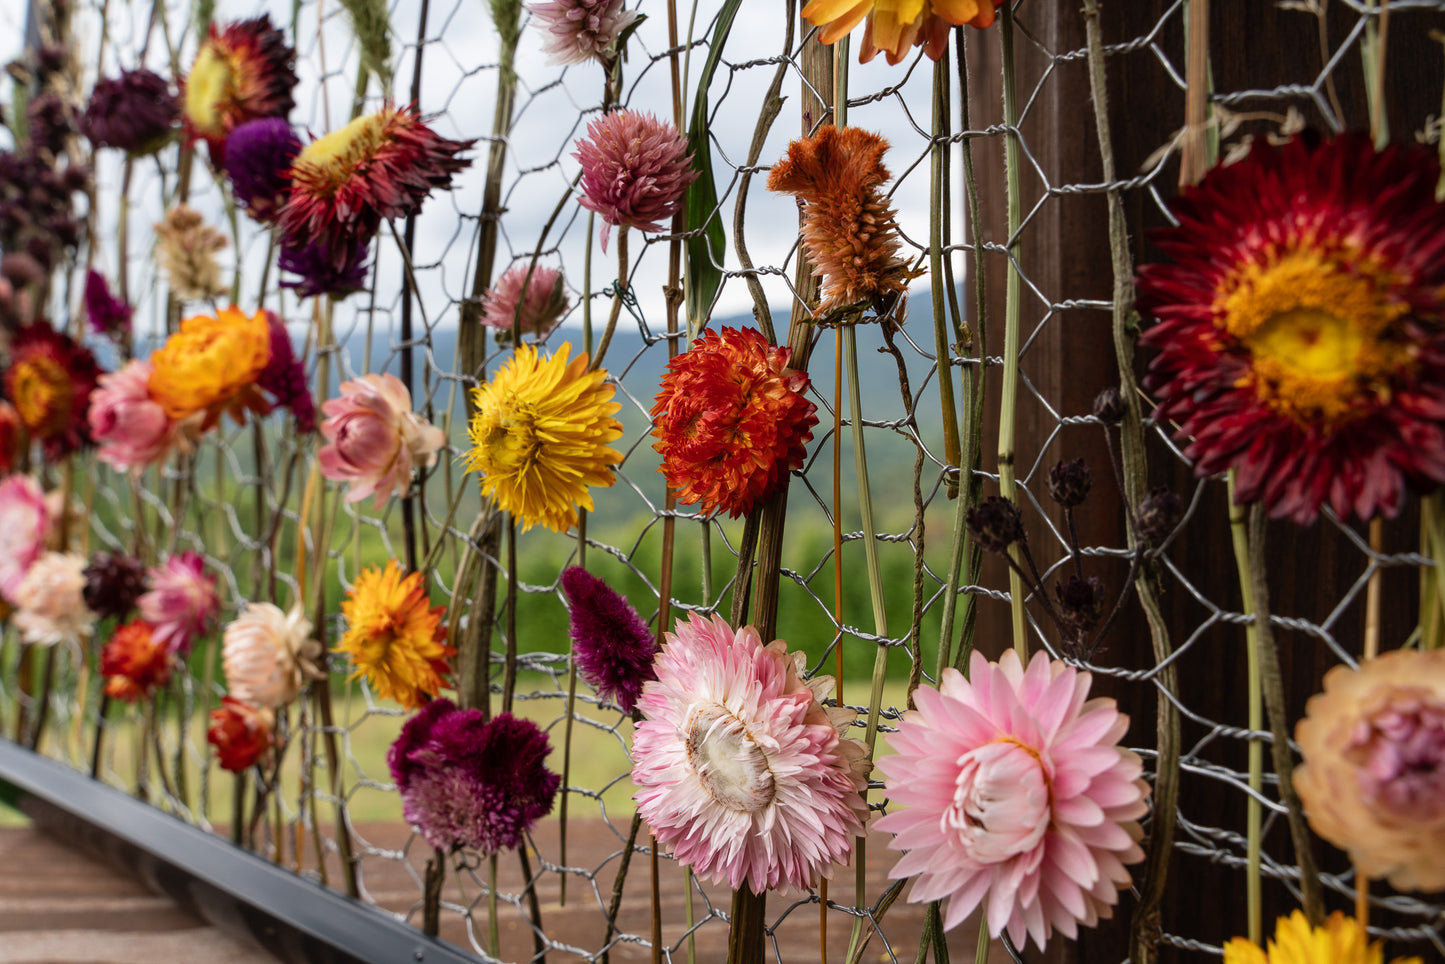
[(466, 781), (611, 645), (258, 162), (285, 376), (533, 299), (181, 601), (319, 274), (114, 583), (850, 230), (635, 169), (1373, 777), (731, 421), (582, 30), (241, 733), (539, 436), (50, 603), (1342, 940), (49, 380), (186, 249), (380, 167), (134, 663), (130, 426), (26, 521), (395, 637), (1300, 326), (741, 770), (107, 314), (135, 112), (896, 25), (212, 366), (243, 70), (1016, 790), (268, 655), (374, 439)]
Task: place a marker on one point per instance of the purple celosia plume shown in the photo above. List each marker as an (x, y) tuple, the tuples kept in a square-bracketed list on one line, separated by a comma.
[(635, 169), (318, 273), (613, 647), (582, 30), (258, 162), (135, 112), (108, 315), (285, 377), (466, 781)]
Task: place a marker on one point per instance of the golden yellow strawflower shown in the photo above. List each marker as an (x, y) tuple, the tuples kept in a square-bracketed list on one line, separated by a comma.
[(394, 637), (1340, 941), (540, 434), (211, 365)]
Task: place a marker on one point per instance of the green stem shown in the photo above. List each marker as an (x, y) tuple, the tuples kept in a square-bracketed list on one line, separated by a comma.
[(494, 932), (1253, 812), (938, 174), (618, 295)]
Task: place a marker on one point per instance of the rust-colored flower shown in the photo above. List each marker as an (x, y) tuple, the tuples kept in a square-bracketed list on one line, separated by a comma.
[(186, 249), (1373, 778), (211, 365), (850, 230), (243, 70), (49, 380), (241, 733), (134, 662), (395, 637), (731, 421)]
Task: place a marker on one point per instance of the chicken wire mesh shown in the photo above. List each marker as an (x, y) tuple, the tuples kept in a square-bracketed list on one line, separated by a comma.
[(240, 499)]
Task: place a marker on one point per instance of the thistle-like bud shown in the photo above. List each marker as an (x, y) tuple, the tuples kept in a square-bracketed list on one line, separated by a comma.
[(995, 524), (1069, 482), (1110, 407), (1159, 513), (1080, 606)]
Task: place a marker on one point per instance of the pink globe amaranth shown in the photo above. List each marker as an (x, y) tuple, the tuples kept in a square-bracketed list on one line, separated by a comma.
[(535, 298), (1016, 790), (25, 523), (635, 170), (132, 430), (375, 439), (182, 601)]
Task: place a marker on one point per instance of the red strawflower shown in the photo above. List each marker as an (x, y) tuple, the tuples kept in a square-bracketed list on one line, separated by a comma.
[(134, 662), (240, 732), (242, 71), (1300, 328), (731, 421), (377, 168), (49, 380)]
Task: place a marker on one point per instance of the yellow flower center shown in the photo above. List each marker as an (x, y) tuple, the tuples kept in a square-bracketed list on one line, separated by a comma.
[(1318, 336), (207, 88), (332, 159), (42, 396)]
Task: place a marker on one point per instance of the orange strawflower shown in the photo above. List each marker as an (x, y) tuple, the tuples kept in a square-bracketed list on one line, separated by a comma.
[(850, 230), (135, 663), (395, 638), (896, 25), (211, 365)]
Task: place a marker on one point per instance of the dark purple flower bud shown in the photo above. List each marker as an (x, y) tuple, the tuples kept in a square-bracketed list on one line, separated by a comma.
[(21, 269), (1159, 513), (75, 177), (611, 644), (135, 112), (1080, 606), (113, 583), (258, 161), (285, 377), (108, 316), (50, 59), (319, 274), (995, 524), (1069, 482), (49, 123), (1109, 406)]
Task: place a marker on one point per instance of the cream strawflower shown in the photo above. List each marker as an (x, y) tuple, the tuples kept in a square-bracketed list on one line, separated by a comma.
[(50, 603), (268, 655)]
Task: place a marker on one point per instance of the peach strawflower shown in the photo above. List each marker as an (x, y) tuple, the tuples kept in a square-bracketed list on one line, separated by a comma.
[(850, 229), (134, 663), (741, 771), (186, 248), (635, 170), (1373, 778), (212, 365), (540, 434), (1016, 790), (131, 428), (1340, 941), (50, 379), (26, 520), (243, 70), (731, 421), (268, 655), (395, 637), (374, 439), (50, 600)]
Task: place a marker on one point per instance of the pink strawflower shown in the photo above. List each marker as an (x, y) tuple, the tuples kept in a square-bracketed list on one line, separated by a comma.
[(582, 30), (744, 774), (268, 655), (1017, 790), (635, 169), (375, 439), (611, 645), (49, 602), (132, 429), (542, 305), (25, 523), (182, 601)]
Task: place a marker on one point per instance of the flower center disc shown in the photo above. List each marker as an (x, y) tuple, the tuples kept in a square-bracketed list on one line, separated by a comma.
[(208, 86), (1400, 755), (42, 395), (730, 766), (330, 160), (1001, 805)]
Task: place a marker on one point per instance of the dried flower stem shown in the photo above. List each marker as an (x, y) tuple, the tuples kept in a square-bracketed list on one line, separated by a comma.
[(1253, 811), (938, 172), (619, 293)]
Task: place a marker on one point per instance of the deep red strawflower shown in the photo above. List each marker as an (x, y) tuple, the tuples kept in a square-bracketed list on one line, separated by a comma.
[(285, 377), (611, 644), (49, 381), (377, 168), (1300, 326), (134, 662), (241, 734), (135, 112), (113, 583), (731, 421), (107, 314), (243, 70), (259, 154)]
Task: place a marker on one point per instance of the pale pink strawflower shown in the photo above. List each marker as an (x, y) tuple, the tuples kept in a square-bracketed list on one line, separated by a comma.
[(1016, 789), (635, 169), (181, 601), (268, 655), (49, 602), (375, 439), (744, 774), (26, 518), (582, 30), (542, 306), (132, 429)]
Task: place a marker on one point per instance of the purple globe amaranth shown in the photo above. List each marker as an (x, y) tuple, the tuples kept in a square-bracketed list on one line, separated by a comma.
[(258, 162), (612, 646), (318, 272), (135, 112)]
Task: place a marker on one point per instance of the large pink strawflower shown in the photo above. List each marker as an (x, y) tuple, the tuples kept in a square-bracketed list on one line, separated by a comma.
[(535, 298), (181, 602), (635, 169), (582, 30), (131, 428), (268, 655), (744, 774), (25, 523), (49, 602), (375, 439), (1016, 789)]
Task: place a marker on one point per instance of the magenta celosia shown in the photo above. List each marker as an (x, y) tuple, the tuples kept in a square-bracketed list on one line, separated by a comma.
[(182, 601), (25, 523), (108, 315), (534, 299), (131, 428), (635, 169), (375, 439), (582, 30), (466, 781), (285, 377), (612, 646)]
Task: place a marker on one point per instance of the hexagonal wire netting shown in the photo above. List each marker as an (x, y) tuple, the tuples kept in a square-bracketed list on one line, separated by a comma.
[(240, 499)]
